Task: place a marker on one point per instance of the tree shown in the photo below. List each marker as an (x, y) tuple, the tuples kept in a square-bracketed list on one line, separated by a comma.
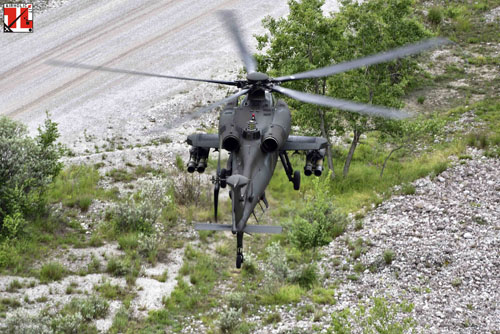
[(306, 39), (301, 42), (372, 27), (27, 166), (408, 134)]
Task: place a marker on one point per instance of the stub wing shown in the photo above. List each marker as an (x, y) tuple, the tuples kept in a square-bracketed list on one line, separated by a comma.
[(204, 140), (304, 143)]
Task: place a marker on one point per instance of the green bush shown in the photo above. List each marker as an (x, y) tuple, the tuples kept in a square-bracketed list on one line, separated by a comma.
[(318, 223), (27, 166)]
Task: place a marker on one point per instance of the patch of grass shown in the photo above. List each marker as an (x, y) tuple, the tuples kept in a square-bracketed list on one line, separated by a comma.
[(76, 186), (111, 291), (323, 296), (408, 189), (272, 318), (10, 302), (52, 271), (128, 241), (120, 175), (388, 256), (307, 276), (285, 295), (359, 267), (163, 277), (435, 15), (204, 271), (223, 249), (14, 286)]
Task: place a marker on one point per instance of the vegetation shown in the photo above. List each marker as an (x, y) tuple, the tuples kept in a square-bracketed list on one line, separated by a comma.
[(357, 30), (377, 316), (279, 271), (319, 222), (27, 166)]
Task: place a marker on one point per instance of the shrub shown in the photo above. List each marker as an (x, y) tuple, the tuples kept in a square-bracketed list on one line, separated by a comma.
[(27, 166), (93, 308), (52, 271), (22, 323), (318, 223), (13, 225), (375, 316), (142, 212), (250, 264), (276, 263), (229, 320), (148, 245), (435, 15), (236, 300)]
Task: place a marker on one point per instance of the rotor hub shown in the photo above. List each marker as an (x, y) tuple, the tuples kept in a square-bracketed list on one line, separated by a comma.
[(257, 76)]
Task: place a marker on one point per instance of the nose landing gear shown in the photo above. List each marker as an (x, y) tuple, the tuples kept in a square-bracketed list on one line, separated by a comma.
[(239, 250)]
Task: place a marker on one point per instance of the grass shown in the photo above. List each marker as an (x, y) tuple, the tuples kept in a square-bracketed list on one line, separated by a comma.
[(196, 296), (388, 256), (285, 295), (52, 271), (77, 186)]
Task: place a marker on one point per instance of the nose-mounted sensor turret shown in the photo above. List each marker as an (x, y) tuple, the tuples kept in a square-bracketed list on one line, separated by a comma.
[(251, 132)]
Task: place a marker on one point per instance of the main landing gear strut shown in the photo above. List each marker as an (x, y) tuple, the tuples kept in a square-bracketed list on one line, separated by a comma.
[(293, 177), (239, 249)]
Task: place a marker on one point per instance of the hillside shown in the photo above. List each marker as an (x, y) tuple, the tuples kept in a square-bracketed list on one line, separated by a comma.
[(116, 252)]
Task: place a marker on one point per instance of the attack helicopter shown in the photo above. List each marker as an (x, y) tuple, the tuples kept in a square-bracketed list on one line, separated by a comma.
[(255, 130)]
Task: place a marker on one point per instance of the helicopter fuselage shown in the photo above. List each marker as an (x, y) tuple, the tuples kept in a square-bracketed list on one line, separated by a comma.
[(253, 132)]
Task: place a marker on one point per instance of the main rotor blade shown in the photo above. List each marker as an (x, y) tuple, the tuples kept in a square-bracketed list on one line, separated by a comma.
[(225, 100), (360, 108), (366, 61), (232, 26), (61, 63)]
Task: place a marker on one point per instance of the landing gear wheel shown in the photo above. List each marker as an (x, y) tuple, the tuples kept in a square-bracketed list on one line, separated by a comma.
[(239, 260), (296, 180), (223, 174)]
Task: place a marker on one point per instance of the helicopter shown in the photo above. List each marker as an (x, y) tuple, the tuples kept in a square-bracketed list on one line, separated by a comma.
[(255, 130)]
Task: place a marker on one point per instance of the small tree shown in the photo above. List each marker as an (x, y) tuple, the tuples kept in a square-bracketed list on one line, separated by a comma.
[(27, 166), (408, 134)]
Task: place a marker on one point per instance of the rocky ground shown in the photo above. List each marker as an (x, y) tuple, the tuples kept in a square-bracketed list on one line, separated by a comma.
[(445, 241)]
